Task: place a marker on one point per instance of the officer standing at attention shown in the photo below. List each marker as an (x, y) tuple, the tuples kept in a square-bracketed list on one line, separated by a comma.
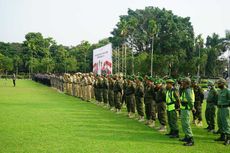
[(223, 104), (161, 105), (172, 99), (199, 97), (210, 112), (187, 104), (139, 94)]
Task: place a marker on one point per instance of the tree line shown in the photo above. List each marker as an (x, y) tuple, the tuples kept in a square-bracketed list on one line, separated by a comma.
[(176, 50)]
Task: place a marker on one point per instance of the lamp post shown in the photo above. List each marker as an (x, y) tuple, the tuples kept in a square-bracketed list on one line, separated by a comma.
[(198, 68), (152, 56)]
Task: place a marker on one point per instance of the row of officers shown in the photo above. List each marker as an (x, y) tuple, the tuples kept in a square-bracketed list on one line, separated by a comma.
[(165, 100)]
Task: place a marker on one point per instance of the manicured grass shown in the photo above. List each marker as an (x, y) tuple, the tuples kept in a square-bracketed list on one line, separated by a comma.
[(36, 119)]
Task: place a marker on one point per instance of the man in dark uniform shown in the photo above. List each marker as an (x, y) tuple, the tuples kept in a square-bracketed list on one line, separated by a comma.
[(130, 97), (149, 102), (161, 105), (110, 93), (117, 89), (210, 112), (199, 97), (105, 90), (139, 94)]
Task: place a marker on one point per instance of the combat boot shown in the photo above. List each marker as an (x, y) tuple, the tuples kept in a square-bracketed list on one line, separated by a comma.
[(141, 119), (190, 142), (185, 139), (175, 134), (152, 124), (221, 138)]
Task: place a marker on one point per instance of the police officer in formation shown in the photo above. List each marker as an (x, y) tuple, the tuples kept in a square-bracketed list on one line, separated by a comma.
[(150, 98)]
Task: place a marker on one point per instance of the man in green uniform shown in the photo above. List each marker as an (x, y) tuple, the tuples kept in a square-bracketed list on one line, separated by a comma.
[(161, 105), (172, 100), (210, 112), (149, 103), (110, 93), (139, 94), (130, 97), (100, 89), (105, 90), (117, 89), (223, 104), (187, 104), (199, 97)]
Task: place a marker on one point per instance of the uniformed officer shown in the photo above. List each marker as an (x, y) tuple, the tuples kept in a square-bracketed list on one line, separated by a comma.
[(172, 100), (130, 97), (149, 97), (199, 97), (139, 94), (210, 112), (111, 93), (187, 104), (224, 111), (117, 89), (105, 87), (161, 105)]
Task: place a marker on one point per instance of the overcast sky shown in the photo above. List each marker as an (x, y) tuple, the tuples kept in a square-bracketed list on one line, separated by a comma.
[(71, 21)]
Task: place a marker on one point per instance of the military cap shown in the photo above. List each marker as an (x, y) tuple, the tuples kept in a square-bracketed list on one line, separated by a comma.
[(221, 81), (170, 81), (140, 78), (186, 79), (158, 81)]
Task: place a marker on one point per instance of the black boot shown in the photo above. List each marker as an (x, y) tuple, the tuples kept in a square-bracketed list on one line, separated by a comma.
[(175, 134), (227, 141), (190, 142), (221, 138), (185, 139)]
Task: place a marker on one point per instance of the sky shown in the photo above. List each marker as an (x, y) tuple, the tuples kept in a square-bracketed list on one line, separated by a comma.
[(71, 21)]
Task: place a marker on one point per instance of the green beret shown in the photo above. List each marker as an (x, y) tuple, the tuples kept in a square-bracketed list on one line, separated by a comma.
[(221, 81), (140, 78), (170, 81)]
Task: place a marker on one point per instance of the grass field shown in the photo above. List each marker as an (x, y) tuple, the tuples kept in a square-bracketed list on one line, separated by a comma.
[(36, 119)]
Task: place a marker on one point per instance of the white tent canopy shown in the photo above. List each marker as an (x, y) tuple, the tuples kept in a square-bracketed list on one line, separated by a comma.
[(224, 56)]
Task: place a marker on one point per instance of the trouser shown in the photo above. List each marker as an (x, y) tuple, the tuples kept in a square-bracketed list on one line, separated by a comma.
[(161, 112), (96, 93), (185, 122), (92, 92), (139, 105), (105, 96), (150, 109), (74, 89), (224, 120), (111, 98), (210, 115), (100, 95), (117, 100), (172, 120), (88, 92), (198, 113), (130, 103)]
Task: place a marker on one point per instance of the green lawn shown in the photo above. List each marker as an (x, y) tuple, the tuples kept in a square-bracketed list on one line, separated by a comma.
[(36, 118)]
